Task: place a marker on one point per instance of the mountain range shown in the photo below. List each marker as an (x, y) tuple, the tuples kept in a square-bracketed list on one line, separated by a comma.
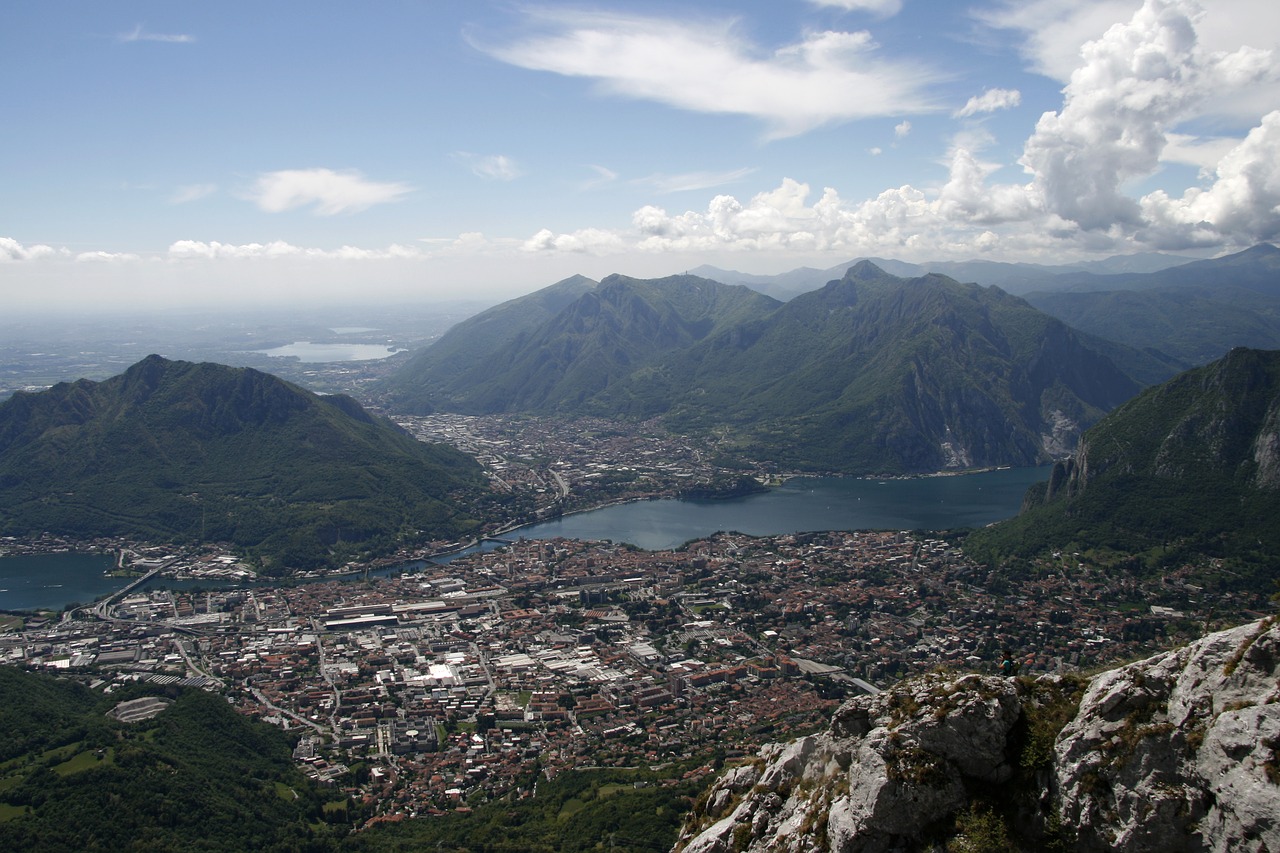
[(1184, 313), (871, 373), (183, 452), (1120, 272), (1187, 468)]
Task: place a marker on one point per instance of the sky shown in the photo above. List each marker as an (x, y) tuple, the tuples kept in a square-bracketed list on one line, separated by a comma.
[(220, 154)]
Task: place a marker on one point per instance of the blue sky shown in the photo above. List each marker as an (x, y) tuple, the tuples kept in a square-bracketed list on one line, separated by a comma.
[(189, 154)]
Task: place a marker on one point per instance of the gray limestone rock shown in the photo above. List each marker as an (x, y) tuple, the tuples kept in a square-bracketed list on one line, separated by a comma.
[(1178, 752)]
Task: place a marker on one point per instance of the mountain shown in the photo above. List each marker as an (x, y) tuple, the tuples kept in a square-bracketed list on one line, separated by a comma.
[(1256, 268), (605, 335), (871, 373), (874, 373), (1190, 467), (478, 337), (1194, 313), (1012, 277), (199, 776), (1174, 753), (176, 451)]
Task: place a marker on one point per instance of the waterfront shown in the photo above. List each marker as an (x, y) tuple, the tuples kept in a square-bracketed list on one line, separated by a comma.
[(51, 581), (805, 504)]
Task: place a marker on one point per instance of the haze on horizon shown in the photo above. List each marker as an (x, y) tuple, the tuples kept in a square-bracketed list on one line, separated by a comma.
[(183, 156)]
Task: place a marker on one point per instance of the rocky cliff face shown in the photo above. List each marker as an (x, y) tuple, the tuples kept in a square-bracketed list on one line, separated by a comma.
[(1174, 753)]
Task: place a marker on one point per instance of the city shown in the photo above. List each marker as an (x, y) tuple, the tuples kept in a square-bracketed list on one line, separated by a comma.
[(463, 678)]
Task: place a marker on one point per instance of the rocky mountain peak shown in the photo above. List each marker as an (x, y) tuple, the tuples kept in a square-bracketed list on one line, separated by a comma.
[(1174, 753)]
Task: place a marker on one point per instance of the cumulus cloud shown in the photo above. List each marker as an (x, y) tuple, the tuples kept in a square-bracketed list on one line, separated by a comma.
[(707, 67), (881, 8), (1242, 204), (901, 129), (1117, 123), (11, 251), (1136, 83), (594, 241), (1051, 33), (989, 101), (1205, 152), (329, 191)]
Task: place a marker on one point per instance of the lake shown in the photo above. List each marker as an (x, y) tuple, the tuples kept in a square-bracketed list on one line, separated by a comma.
[(926, 503), (310, 353), (55, 580), (807, 503)]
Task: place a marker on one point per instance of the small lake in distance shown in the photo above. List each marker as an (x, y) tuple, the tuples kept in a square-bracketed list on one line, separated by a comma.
[(309, 353)]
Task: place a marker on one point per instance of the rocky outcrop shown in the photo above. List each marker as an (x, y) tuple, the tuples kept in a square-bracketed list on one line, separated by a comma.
[(1174, 753), (1178, 752)]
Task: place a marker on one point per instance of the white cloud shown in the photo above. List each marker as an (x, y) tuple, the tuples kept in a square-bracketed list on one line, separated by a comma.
[(706, 67), (990, 101), (1136, 84), (139, 34), (11, 251), (1242, 204), (875, 151), (665, 184), (603, 177), (331, 192), (108, 257), (882, 8), (593, 241), (193, 192), (1205, 152), (901, 129), (1051, 33), (494, 167), (199, 250)]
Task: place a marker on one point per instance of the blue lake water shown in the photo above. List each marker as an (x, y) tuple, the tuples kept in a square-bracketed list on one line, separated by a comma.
[(55, 580), (927, 503), (924, 503)]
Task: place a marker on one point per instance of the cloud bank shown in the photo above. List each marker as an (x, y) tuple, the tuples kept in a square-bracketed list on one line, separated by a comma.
[(1132, 89)]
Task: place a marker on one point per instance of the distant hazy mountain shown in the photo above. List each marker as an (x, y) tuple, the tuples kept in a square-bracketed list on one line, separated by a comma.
[(1256, 268), (870, 373), (1194, 313), (478, 337), (563, 362), (1014, 278), (1179, 313), (1188, 467), (185, 452)]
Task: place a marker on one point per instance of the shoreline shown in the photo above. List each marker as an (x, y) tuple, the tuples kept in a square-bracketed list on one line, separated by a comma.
[(399, 560)]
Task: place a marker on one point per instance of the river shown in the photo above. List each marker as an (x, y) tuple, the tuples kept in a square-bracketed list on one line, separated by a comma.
[(927, 503)]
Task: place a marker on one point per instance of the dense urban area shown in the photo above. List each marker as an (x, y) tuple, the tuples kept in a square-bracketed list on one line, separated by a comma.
[(467, 676)]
